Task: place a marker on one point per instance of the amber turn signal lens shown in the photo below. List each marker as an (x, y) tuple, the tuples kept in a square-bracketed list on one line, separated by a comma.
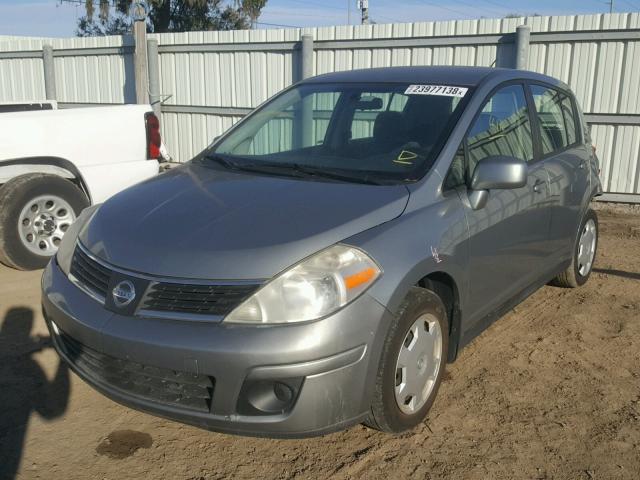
[(357, 279)]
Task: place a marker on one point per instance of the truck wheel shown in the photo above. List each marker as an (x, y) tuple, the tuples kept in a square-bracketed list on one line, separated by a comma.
[(584, 254), (412, 363), (35, 211)]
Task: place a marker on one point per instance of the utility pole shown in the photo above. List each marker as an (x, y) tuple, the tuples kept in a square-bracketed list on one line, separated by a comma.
[(349, 12), (364, 6), (610, 2)]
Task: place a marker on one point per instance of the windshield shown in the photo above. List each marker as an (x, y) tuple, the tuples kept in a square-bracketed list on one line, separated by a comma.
[(375, 133)]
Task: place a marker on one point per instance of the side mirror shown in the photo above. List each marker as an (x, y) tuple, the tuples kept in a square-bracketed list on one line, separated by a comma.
[(497, 172)]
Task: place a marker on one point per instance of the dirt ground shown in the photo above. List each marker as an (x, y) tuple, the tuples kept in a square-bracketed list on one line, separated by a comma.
[(552, 390)]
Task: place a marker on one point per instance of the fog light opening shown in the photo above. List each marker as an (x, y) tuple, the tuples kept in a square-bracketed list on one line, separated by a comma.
[(282, 392), (268, 397)]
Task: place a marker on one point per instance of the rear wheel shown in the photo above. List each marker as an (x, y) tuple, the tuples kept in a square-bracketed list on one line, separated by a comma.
[(37, 210), (584, 254), (412, 363)]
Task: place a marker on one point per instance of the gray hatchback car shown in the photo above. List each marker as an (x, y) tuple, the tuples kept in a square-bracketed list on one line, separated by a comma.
[(320, 263)]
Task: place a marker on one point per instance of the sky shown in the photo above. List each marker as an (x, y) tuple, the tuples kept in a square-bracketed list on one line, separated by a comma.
[(50, 18)]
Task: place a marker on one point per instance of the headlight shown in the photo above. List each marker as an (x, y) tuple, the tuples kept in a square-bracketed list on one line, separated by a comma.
[(314, 288), (68, 243)]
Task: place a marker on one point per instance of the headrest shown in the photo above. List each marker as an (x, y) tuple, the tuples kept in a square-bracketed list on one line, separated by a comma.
[(390, 127)]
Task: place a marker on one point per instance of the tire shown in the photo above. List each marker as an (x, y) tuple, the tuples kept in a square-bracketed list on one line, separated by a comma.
[(52, 197), (386, 413), (578, 272)]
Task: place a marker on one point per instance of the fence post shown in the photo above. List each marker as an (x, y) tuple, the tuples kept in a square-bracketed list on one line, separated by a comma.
[(303, 123), (140, 55), (307, 56), (49, 72), (523, 35), (153, 62)]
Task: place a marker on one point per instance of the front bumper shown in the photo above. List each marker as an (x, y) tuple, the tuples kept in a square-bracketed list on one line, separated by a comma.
[(333, 362)]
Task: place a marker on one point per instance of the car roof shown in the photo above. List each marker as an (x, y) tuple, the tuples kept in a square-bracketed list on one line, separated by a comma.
[(444, 75)]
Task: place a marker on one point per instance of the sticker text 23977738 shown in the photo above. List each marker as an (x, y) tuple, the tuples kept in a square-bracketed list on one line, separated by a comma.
[(444, 90)]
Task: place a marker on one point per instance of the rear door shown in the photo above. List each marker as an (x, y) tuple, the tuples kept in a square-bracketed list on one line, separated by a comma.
[(508, 244), (565, 156)]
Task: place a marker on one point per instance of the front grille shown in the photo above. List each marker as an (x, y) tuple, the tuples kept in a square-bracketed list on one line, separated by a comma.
[(164, 297), (161, 385), (89, 273), (196, 299)]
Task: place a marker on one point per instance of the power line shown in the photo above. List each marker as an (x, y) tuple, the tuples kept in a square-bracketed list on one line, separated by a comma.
[(295, 14), (632, 5), (492, 2), (315, 4), (446, 8), (476, 7), (393, 20), (307, 2), (277, 25)]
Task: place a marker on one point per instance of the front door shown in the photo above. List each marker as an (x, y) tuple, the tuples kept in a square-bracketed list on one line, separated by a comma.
[(509, 237)]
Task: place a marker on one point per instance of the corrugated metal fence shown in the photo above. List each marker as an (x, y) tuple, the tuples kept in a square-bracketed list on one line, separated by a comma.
[(211, 79)]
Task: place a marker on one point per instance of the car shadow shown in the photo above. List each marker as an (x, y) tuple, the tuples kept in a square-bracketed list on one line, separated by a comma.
[(24, 386), (618, 273)]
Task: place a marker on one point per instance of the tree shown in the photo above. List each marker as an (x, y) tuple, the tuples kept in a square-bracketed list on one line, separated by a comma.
[(518, 15), (169, 16), (117, 24), (253, 9)]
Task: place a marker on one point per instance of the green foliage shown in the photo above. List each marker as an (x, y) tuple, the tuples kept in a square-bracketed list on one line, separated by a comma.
[(253, 8), (113, 25), (518, 15), (170, 16)]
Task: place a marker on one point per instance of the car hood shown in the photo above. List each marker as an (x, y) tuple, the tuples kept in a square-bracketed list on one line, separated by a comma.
[(198, 221)]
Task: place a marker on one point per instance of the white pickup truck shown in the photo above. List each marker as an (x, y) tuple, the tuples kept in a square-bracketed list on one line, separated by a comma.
[(54, 163)]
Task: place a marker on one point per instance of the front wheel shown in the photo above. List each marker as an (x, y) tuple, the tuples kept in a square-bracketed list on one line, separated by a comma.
[(412, 363), (584, 253), (35, 212)]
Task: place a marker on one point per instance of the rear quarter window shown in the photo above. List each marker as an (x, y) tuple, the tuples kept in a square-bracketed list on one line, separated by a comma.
[(569, 119)]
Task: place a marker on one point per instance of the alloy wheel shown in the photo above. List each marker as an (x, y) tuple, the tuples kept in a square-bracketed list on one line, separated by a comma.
[(43, 222)]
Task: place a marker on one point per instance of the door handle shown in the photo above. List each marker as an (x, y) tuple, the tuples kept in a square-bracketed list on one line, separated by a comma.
[(537, 187)]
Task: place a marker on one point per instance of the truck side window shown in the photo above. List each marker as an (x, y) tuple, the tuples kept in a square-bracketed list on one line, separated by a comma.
[(502, 128)]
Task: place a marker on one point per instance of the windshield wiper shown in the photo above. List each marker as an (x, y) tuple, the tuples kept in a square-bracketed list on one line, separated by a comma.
[(259, 167), (225, 162), (299, 170), (332, 174), (290, 169)]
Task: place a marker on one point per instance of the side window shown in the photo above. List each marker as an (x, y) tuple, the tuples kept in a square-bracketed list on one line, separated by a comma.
[(569, 119), (555, 117), (502, 128)]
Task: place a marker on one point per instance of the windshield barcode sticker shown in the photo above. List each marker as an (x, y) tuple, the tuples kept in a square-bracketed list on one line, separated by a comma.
[(444, 90)]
